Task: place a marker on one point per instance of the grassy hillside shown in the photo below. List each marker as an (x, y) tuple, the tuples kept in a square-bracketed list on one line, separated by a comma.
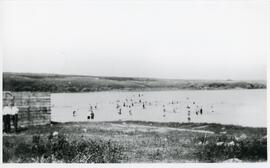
[(77, 83)]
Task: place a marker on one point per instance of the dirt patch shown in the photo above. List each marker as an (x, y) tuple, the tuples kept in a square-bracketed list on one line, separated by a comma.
[(144, 128)]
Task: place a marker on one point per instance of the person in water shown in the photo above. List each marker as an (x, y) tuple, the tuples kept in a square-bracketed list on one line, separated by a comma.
[(120, 111), (91, 110), (92, 115), (201, 111)]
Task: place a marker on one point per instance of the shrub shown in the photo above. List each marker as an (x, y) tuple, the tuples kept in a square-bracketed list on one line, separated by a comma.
[(23, 152), (61, 149), (213, 149)]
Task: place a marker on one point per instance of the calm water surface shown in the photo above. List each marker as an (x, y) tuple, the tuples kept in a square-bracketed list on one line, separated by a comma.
[(239, 107)]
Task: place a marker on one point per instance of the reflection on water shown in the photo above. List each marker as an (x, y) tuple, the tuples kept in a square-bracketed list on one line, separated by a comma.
[(239, 107)]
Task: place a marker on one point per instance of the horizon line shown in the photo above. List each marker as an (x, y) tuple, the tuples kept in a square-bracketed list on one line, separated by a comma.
[(84, 75)]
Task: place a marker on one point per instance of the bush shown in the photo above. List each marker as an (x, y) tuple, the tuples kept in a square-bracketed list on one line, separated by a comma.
[(61, 149), (23, 152), (98, 152), (214, 149), (7, 151)]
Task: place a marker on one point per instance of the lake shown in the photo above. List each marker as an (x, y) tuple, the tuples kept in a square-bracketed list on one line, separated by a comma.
[(238, 107)]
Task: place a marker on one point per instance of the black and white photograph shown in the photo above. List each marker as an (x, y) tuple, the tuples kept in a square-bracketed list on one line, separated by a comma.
[(134, 81)]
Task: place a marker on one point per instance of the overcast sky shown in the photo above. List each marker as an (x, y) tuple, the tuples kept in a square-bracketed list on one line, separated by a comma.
[(185, 39)]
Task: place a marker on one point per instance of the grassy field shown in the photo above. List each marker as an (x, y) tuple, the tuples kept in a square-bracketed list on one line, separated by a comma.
[(135, 141), (75, 83)]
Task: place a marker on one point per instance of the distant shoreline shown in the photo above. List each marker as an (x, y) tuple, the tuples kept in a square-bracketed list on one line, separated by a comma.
[(55, 83)]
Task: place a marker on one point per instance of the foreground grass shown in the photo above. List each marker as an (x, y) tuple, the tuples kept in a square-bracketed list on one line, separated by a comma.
[(135, 141)]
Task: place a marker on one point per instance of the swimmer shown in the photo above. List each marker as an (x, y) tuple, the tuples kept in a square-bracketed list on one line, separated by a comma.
[(92, 115), (120, 112), (91, 108)]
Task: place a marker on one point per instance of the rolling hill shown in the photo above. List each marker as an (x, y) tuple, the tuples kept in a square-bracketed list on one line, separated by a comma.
[(77, 83)]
